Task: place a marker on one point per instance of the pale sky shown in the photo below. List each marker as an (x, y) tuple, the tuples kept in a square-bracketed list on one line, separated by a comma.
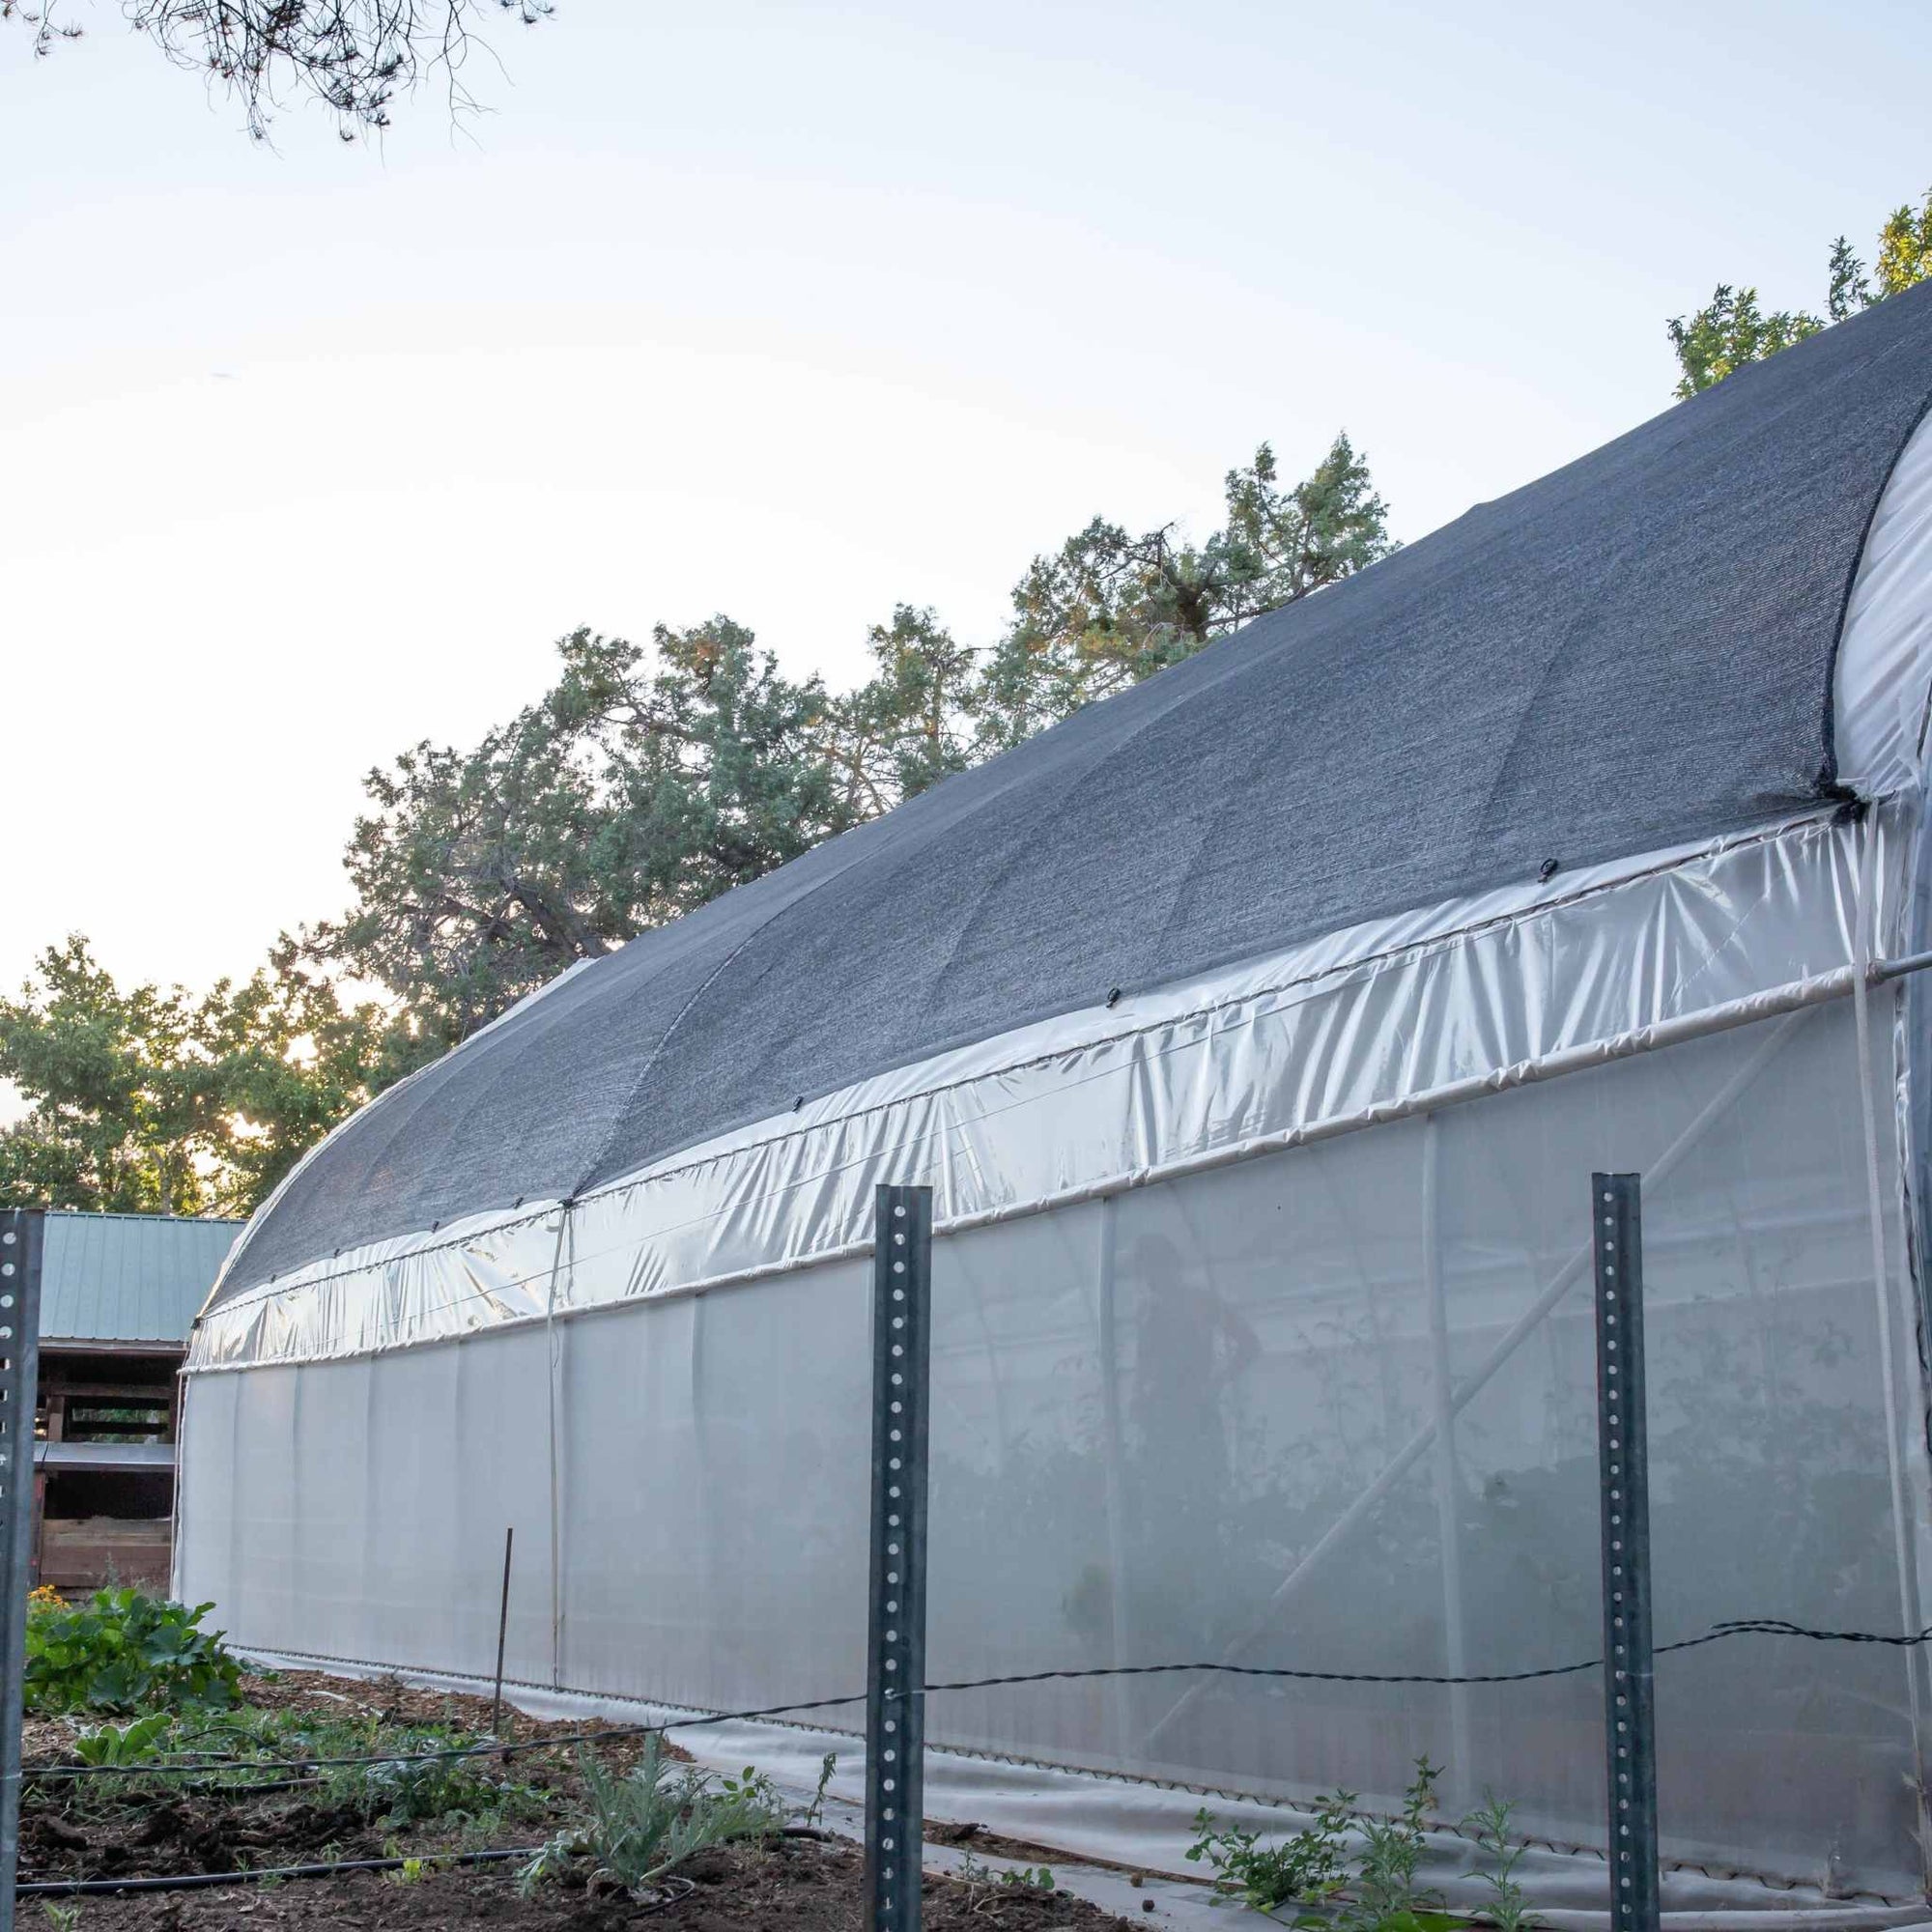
[(793, 312)]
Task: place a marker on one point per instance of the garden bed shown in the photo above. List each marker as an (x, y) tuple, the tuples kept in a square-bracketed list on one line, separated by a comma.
[(181, 1822)]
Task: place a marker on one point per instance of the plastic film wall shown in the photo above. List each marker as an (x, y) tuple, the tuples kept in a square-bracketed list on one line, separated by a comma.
[(1199, 1420), (1429, 1007)]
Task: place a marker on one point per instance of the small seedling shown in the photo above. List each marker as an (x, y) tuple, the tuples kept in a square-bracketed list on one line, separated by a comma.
[(814, 1812), (1030, 1877), (1384, 1896), (62, 1917), (1509, 1911)]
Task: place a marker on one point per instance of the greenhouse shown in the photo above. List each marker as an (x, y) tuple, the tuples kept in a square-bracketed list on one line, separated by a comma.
[(1258, 1032)]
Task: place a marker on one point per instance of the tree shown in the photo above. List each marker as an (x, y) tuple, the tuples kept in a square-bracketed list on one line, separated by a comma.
[(646, 783), (911, 723), (354, 56), (1731, 330), (637, 788), (1109, 609), (154, 1102)]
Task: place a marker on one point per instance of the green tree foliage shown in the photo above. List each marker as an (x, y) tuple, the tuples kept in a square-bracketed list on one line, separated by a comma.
[(646, 783), (1732, 330), (156, 1101), (1109, 609), (911, 723), (643, 783), (639, 786)]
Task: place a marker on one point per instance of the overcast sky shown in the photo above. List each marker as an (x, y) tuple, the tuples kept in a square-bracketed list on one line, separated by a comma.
[(793, 312)]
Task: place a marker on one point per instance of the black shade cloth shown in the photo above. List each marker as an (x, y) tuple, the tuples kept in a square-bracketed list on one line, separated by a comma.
[(1633, 651)]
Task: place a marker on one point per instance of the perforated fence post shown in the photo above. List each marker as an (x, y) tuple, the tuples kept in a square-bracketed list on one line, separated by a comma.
[(21, 1231), (1623, 1462), (895, 1651)]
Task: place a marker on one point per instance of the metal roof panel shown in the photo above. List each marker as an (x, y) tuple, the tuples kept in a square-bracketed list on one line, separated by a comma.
[(128, 1277)]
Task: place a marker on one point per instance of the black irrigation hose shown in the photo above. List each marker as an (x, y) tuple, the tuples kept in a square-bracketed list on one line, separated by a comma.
[(1716, 1633), (78, 1888)]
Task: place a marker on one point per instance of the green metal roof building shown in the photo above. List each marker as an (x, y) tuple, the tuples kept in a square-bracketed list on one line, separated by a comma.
[(119, 1293), (121, 1279)]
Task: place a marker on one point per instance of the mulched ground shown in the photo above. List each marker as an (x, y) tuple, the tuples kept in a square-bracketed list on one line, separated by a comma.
[(802, 1883)]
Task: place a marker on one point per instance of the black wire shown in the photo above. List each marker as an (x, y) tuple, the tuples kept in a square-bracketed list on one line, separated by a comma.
[(74, 1887), (1716, 1633)]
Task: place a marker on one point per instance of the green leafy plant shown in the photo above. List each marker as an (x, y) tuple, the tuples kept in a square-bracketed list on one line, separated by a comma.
[(62, 1917), (126, 1650), (1030, 1877), (131, 1743), (1508, 1909), (1307, 1869), (1384, 1896), (643, 1824), (416, 1784), (814, 1812), (1374, 1891)]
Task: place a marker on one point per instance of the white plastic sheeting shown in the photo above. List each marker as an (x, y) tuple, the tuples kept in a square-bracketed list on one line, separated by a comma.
[(1367, 1025), (1149, 1411), (1884, 651)]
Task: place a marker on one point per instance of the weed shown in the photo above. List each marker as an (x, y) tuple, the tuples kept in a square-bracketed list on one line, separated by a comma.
[(1508, 1909), (642, 1824), (1374, 1892), (1384, 1896), (62, 1917), (814, 1812), (984, 1883), (1306, 1869), (1030, 1877)]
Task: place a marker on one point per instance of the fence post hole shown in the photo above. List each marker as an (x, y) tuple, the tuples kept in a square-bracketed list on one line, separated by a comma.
[(502, 1631), (895, 1609), (21, 1231), (1623, 1463)]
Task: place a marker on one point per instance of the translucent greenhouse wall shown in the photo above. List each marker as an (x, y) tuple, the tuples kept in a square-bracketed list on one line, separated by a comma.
[(1198, 1420)]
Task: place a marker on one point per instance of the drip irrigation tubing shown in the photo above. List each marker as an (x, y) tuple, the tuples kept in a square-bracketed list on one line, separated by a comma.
[(80, 1888), (1716, 1633)]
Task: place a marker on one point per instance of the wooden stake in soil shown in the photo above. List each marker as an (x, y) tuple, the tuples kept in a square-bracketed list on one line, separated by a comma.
[(896, 1674), (503, 1631)]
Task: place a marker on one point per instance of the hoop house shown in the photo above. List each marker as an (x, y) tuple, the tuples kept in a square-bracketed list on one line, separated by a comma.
[(1258, 1032)]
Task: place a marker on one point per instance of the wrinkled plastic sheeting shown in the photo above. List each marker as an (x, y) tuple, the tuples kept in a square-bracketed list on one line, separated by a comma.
[(1359, 1027), (1150, 1414), (1880, 688)]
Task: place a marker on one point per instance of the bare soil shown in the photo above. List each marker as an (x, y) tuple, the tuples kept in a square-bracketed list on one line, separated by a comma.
[(804, 1883)]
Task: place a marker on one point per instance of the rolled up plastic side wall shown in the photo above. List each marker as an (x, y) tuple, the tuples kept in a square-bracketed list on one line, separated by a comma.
[(1361, 1028)]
